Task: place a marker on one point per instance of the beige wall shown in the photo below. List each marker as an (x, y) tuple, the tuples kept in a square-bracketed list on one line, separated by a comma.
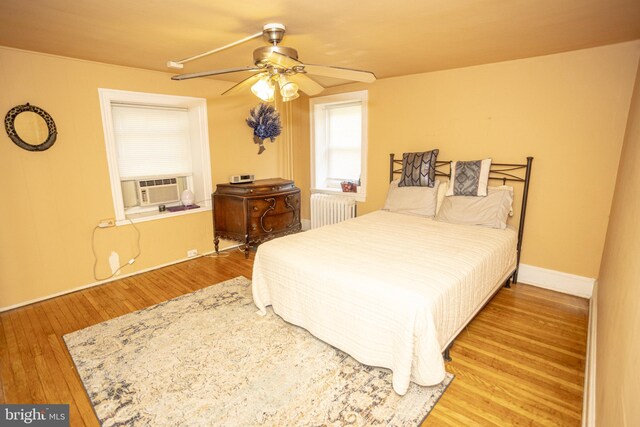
[(567, 110), (301, 153), (53, 199), (618, 346)]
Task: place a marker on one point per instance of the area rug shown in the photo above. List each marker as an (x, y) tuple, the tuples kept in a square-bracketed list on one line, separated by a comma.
[(207, 358)]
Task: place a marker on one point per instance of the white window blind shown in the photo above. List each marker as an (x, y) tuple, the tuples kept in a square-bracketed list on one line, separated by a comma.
[(339, 142), (344, 140), (151, 141)]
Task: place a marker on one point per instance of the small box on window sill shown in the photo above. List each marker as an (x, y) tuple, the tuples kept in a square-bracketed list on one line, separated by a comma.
[(349, 187)]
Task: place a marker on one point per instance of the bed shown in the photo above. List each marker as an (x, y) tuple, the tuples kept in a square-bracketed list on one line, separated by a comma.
[(390, 289)]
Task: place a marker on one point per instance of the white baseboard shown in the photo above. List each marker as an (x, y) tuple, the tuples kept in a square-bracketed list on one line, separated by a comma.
[(556, 280), (102, 282), (589, 396), (306, 224)]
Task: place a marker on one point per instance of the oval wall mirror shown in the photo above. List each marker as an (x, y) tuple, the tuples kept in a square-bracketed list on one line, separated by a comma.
[(30, 127)]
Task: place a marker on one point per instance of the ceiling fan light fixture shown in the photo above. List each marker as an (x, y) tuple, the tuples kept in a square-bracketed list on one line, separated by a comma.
[(264, 89), (288, 89), (290, 98)]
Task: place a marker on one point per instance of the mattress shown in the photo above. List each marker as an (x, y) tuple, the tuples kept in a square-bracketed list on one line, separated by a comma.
[(389, 289)]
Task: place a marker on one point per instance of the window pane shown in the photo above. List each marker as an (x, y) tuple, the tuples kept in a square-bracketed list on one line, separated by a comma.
[(151, 141), (339, 141), (344, 141), (344, 164)]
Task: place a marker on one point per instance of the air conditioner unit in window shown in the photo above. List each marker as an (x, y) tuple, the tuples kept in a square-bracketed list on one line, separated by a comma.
[(157, 191)]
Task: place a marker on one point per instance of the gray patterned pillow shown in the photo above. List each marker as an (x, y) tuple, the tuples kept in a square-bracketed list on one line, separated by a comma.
[(469, 178), (419, 169)]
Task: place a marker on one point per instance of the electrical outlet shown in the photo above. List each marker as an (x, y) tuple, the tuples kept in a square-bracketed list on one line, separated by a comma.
[(109, 222), (192, 252)]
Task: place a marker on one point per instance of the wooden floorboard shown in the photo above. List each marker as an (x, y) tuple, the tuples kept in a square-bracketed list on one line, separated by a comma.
[(519, 362)]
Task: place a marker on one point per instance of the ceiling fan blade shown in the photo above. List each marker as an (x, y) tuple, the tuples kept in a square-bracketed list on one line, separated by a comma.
[(282, 60), (340, 73), (243, 84), (306, 84), (213, 73)]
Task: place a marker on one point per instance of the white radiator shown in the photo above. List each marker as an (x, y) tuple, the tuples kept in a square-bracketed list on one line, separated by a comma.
[(329, 209)]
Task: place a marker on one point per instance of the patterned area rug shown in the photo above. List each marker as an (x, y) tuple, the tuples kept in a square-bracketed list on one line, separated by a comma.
[(207, 358)]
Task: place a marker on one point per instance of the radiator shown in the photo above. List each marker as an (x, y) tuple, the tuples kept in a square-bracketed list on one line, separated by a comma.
[(329, 209)]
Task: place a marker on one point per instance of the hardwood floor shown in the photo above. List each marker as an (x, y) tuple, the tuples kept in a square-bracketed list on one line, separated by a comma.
[(519, 362)]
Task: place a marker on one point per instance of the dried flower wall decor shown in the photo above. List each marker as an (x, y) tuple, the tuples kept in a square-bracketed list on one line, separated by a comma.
[(265, 122)]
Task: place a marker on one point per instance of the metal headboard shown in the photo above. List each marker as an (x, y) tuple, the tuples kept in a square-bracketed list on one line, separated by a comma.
[(505, 172)]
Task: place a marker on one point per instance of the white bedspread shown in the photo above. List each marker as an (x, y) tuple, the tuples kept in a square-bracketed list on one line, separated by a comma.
[(391, 290)]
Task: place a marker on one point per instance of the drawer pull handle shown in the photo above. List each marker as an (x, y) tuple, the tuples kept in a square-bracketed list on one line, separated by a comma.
[(255, 209), (270, 208), (287, 203)]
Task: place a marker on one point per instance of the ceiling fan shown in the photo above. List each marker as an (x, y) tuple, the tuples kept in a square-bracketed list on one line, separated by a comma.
[(276, 65)]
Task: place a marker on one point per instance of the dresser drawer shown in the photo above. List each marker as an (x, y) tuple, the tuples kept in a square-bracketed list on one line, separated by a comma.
[(273, 224), (273, 205), (256, 188), (270, 189)]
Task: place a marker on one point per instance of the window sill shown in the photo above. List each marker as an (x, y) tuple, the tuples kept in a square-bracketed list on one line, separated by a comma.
[(152, 216), (360, 197)]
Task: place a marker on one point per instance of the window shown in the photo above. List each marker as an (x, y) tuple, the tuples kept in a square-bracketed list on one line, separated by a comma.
[(339, 142), (157, 147)]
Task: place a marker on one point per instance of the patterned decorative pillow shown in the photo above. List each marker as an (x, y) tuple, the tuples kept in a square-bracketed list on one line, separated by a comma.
[(469, 178), (419, 169)]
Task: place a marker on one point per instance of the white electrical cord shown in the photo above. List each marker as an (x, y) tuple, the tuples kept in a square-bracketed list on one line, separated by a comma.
[(95, 256)]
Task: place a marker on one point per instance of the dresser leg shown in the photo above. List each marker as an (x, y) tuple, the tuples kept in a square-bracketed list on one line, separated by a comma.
[(216, 241), (246, 247)]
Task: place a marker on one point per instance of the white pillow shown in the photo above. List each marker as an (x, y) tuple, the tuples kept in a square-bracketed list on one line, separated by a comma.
[(412, 200), (469, 178), (490, 211), (442, 191), (507, 188)]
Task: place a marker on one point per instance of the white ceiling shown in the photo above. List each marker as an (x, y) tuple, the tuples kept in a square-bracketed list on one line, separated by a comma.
[(390, 38)]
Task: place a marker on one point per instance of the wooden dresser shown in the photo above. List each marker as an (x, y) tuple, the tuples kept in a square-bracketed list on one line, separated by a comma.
[(255, 212)]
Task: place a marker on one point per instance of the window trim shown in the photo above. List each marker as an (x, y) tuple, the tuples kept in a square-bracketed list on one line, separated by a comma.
[(362, 97), (199, 129)]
